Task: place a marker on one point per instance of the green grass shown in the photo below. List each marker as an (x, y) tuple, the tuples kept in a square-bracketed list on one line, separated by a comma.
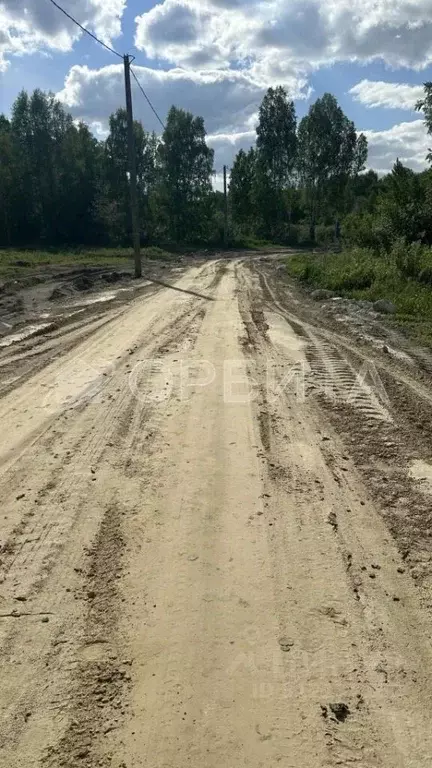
[(254, 244), (359, 274), (14, 263)]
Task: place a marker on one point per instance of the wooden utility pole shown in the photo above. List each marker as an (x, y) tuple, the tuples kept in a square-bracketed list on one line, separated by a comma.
[(225, 207), (132, 169)]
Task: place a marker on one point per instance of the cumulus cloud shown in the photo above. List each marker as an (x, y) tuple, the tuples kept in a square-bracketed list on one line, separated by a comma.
[(407, 141), (186, 33), (390, 95), (301, 28), (283, 37), (28, 26), (309, 33), (227, 99), (220, 56), (170, 31), (226, 146)]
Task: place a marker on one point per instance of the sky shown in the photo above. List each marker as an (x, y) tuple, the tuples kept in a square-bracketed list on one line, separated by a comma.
[(216, 58)]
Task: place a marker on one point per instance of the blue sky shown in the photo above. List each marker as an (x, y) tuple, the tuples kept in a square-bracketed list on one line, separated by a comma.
[(217, 57)]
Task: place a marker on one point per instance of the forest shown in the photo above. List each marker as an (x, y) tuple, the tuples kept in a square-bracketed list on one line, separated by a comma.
[(302, 183)]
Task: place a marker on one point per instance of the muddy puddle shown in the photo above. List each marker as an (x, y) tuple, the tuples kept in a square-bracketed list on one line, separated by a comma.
[(24, 333)]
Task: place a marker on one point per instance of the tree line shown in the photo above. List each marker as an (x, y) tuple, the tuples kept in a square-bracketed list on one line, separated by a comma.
[(302, 182), (59, 185), (302, 173), (306, 183)]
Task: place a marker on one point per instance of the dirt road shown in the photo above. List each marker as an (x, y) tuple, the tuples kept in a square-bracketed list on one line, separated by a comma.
[(216, 537)]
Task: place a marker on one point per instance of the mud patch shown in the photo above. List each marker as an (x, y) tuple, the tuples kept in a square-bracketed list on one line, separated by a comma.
[(26, 333), (259, 320), (422, 472), (282, 335)]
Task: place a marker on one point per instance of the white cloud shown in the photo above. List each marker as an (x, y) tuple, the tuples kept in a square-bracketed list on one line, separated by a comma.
[(390, 95), (197, 33), (276, 40), (176, 31), (407, 141), (28, 26), (100, 130), (227, 99), (226, 146), (303, 33)]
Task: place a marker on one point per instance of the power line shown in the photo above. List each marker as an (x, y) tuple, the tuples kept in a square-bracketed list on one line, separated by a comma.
[(116, 53), (85, 30), (147, 98)]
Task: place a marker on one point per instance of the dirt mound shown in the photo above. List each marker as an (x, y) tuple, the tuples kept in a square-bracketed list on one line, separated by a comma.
[(83, 282), (59, 293)]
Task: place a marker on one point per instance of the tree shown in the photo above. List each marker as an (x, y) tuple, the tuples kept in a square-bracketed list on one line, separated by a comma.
[(78, 175), (329, 154), (362, 192), (7, 191), (241, 190), (185, 167), (276, 137), (403, 209), (55, 165), (60, 185), (25, 213), (425, 105), (275, 157), (114, 200)]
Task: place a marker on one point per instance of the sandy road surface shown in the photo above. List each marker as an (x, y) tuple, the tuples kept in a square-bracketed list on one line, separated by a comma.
[(213, 553)]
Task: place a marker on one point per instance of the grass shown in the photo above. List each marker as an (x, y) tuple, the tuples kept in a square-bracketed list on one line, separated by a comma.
[(14, 263), (254, 244), (360, 274)]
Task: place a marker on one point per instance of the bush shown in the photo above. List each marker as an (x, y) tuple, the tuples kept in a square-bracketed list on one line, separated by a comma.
[(303, 234), (325, 235), (311, 273), (351, 270), (425, 276), (357, 279), (340, 272), (292, 235), (407, 257), (362, 230)]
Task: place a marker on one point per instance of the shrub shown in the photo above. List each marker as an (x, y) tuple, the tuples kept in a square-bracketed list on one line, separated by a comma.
[(351, 270), (311, 272), (360, 229), (407, 257), (356, 280), (303, 233), (325, 235), (425, 275), (292, 235)]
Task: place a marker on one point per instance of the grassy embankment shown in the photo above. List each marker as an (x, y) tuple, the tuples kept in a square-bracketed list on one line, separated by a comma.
[(19, 262), (16, 263), (403, 276)]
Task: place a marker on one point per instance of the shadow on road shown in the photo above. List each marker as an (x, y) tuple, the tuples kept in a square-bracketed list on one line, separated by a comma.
[(181, 290)]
